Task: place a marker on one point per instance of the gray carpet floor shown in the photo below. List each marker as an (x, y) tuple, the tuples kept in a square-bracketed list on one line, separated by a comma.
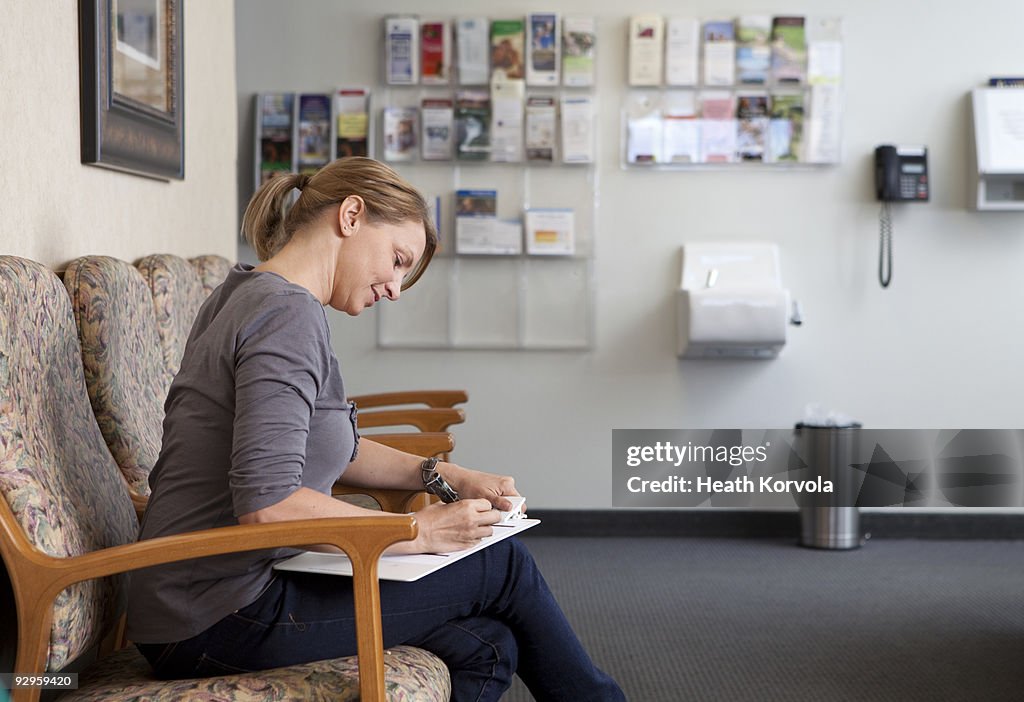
[(764, 619)]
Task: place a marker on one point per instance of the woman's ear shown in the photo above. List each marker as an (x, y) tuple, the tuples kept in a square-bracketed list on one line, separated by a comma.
[(350, 214)]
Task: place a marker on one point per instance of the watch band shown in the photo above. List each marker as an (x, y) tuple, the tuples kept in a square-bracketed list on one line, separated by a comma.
[(435, 484)]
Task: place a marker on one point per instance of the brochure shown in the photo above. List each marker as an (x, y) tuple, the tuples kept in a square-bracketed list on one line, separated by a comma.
[(579, 37), (314, 132), (437, 117), (680, 128), (435, 52), (352, 124), (789, 50), (681, 50), (276, 112), (507, 121), (753, 51), (785, 128), (549, 232), (719, 53), (717, 128), (752, 127), (478, 229), (545, 46), (401, 46), (472, 125), (400, 133), (577, 129), (472, 50), (507, 38), (645, 50), (540, 128)]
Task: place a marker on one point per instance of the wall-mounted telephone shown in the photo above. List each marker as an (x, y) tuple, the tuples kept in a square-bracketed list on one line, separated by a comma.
[(901, 175)]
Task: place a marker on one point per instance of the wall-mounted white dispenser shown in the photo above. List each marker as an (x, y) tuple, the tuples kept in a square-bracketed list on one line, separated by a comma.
[(731, 303)]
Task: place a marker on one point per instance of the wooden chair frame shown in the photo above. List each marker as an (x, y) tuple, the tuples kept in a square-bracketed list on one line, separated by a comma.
[(431, 398), (430, 420), (37, 578)]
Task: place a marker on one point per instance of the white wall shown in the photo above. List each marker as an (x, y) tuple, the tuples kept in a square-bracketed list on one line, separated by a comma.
[(937, 349), (54, 208)]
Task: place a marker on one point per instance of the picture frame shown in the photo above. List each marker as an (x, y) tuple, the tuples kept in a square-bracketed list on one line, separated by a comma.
[(132, 86)]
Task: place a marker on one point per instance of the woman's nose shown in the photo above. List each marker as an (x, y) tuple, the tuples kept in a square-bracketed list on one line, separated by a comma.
[(393, 289)]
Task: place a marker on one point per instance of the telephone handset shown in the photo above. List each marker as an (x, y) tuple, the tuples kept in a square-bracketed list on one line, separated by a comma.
[(901, 175)]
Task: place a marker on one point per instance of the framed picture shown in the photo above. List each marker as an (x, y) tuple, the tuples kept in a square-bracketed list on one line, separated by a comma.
[(132, 86)]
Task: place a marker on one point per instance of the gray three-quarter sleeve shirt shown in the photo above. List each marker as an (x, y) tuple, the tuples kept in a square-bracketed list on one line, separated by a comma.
[(257, 410)]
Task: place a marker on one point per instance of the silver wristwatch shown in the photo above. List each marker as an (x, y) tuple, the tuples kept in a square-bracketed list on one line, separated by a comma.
[(435, 484)]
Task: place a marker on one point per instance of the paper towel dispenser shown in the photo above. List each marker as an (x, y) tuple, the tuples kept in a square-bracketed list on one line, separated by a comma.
[(731, 303)]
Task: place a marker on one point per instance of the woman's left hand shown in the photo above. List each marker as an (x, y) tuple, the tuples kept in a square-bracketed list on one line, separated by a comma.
[(474, 483)]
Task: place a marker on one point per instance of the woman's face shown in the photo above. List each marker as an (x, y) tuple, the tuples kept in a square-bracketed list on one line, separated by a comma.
[(372, 262)]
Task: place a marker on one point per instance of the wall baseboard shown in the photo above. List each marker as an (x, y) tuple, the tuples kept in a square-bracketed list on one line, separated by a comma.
[(769, 523)]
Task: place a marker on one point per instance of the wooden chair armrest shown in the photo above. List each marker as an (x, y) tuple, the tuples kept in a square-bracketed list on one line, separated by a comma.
[(419, 443), (433, 419), (363, 539), (397, 501), (431, 398)]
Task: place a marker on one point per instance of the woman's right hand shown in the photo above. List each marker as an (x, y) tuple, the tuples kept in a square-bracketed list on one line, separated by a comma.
[(454, 527)]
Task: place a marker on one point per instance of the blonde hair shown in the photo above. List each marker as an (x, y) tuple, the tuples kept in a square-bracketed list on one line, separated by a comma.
[(268, 225)]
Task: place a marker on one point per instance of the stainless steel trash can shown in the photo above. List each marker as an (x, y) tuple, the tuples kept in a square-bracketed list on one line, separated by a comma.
[(828, 451)]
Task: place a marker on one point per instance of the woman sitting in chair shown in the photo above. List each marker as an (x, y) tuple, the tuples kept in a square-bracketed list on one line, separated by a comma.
[(258, 429)]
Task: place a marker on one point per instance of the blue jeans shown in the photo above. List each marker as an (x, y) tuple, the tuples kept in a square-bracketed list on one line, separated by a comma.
[(487, 616)]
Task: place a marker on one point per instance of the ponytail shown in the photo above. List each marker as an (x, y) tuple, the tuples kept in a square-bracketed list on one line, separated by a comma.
[(263, 223)]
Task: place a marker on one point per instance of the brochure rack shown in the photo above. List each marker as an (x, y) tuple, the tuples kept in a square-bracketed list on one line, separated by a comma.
[(499, 280), (746, 92)]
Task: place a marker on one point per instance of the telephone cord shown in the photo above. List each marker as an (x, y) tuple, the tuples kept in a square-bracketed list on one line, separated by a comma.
[(885, 245)]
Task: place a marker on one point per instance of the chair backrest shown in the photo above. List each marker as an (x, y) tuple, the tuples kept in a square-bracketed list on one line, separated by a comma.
[(177, 292), (124, 365), (56, 474), (212, 270)]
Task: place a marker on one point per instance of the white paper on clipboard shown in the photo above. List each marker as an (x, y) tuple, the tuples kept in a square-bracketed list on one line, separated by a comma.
[(405, 568)]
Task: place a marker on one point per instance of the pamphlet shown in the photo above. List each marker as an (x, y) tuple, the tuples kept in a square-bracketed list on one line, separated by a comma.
[(789, 50), (435, 52), (472, 125), (401, 45), (680, 128), (507, 121), (540, 128), (478, 229), (681, 50), (545, 46), (472, 50), (785, 128), (646, 45), (352, 123), (643, 138), (437, 117), (719, 52), (577, 129), (314, 132), (717, 128), (507, 39), (579, 37), (549, 232), (752, 127), (276, 112), (400, 133), (753, 52)]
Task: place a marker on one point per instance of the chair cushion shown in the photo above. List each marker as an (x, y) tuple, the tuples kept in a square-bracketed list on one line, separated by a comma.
[(410, 674), (213, 270), (55, 471), (124, 366), (177, 295)]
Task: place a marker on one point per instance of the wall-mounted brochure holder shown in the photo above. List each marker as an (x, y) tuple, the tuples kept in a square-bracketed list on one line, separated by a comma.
[(997, 181), (754, 90), (730, 302)]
